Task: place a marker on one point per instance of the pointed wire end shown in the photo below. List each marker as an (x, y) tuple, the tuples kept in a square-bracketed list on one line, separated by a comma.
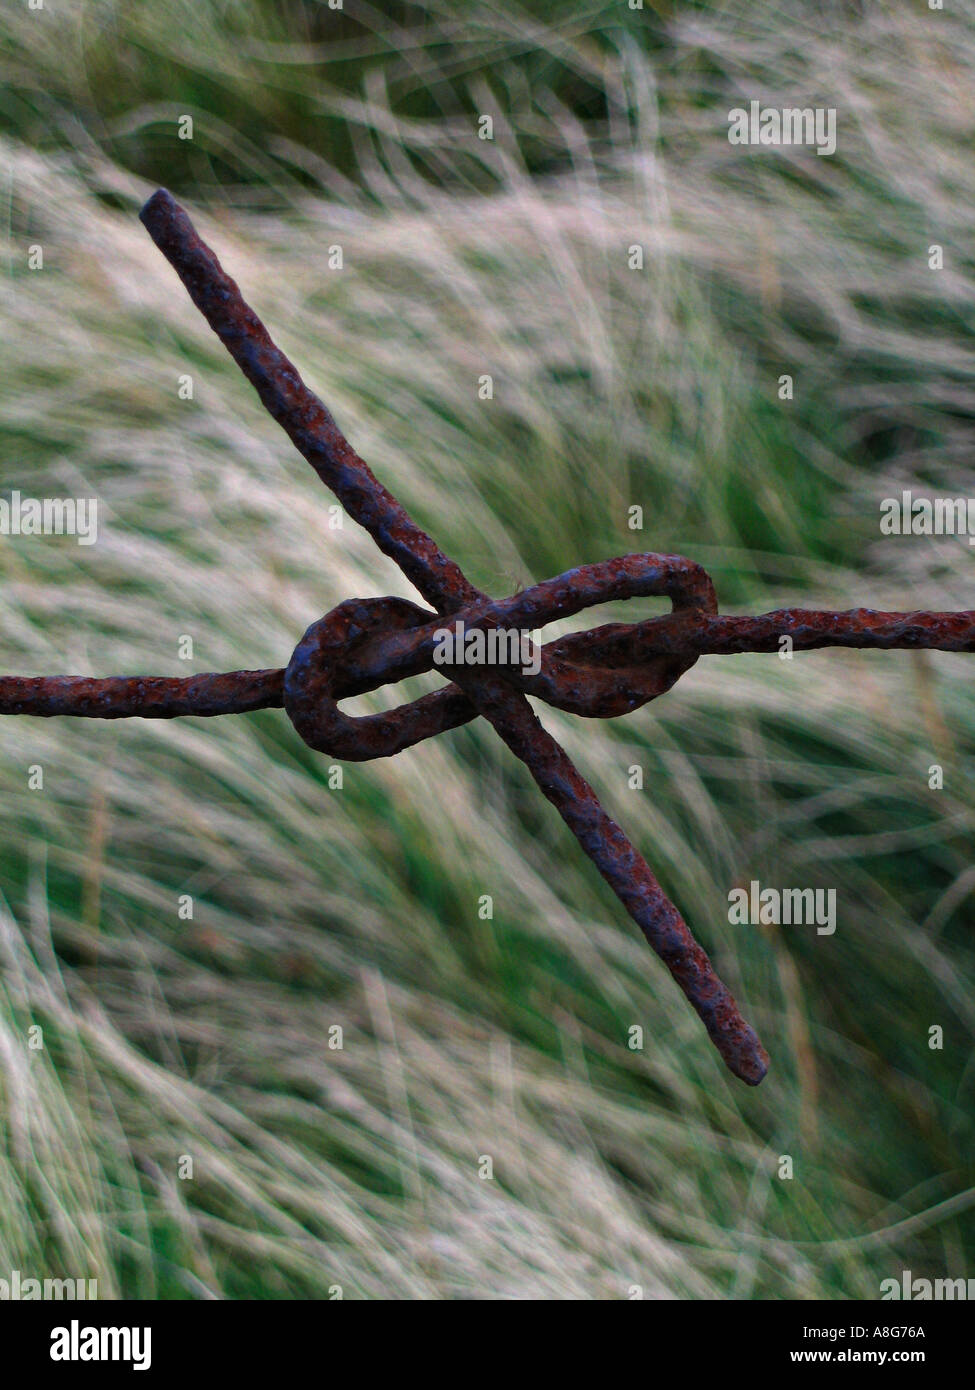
[(165, 220), (748, 1060), (160, 200)]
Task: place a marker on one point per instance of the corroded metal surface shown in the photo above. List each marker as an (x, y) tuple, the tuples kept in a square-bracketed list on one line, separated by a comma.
[(305, 419), (144, 697), (366, 643)]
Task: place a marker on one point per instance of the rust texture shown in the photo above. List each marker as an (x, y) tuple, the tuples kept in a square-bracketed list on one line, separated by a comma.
[(366, 643), (145, 697)]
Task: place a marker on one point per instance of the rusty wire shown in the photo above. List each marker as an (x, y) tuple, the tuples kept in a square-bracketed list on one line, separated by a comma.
[(366, 643)]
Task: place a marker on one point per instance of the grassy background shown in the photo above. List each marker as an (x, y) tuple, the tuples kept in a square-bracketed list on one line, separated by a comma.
[(316, 907)]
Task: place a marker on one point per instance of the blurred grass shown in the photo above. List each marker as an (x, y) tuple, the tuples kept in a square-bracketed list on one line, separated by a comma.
[(316, 907)]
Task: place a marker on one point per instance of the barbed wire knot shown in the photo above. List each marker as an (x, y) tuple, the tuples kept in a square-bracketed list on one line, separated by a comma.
[(363, 644)]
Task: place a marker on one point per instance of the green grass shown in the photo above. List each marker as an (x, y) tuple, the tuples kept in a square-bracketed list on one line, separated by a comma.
[(316, 907)]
